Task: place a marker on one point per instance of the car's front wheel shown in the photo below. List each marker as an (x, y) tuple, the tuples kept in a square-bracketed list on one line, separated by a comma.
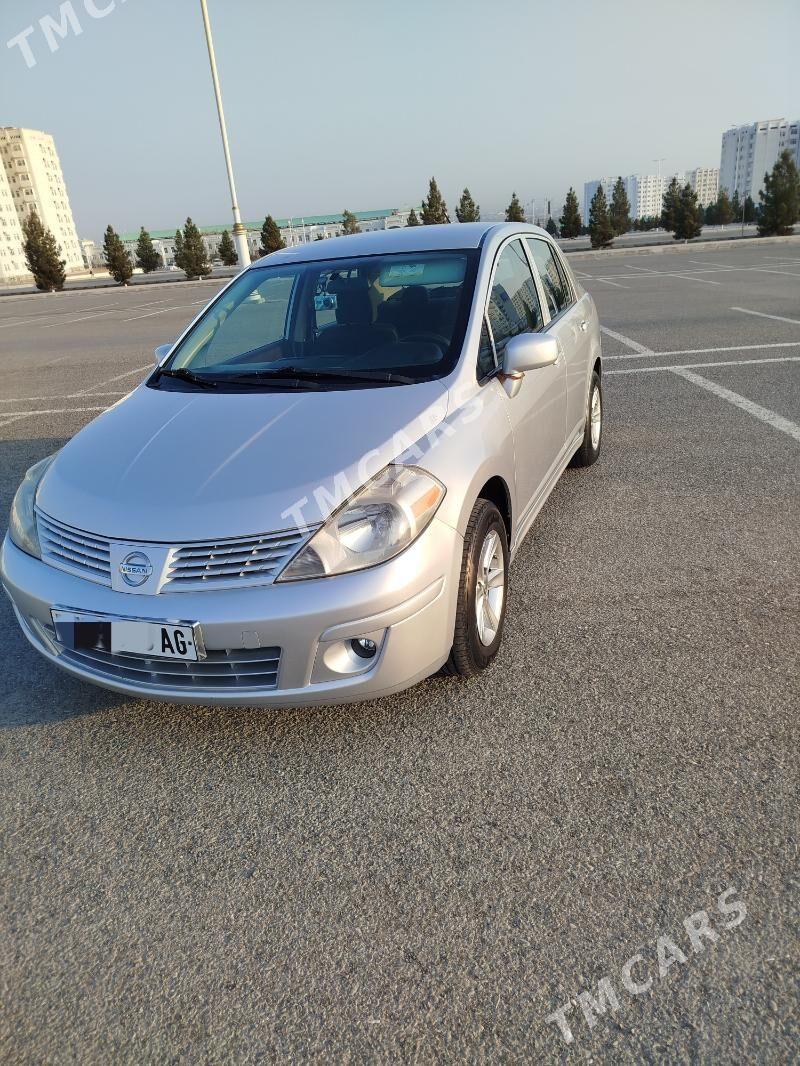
[(482, 592), (589, 450)]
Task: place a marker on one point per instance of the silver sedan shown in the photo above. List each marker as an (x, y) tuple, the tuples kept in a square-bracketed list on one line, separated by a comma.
[(316, 495)]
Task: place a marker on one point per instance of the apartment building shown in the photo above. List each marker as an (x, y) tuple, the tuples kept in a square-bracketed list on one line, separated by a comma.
[(12, 261), (35, 181), (750, 151), (705, 182)]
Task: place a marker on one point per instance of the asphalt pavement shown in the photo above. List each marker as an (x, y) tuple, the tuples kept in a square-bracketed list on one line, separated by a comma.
[(430, 877)]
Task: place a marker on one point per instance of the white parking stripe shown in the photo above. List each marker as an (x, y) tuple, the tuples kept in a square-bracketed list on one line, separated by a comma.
[(110, 381), (791, 429), (66, 396), (638, 348), (700, 366), (164, 310), (761, 314), (607, 281), (648, 354)]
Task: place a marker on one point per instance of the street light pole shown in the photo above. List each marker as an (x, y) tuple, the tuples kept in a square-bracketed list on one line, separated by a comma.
[(239, 232)]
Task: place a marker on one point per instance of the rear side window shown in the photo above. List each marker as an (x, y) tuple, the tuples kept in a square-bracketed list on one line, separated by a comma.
[(514, 303), (555, 285)]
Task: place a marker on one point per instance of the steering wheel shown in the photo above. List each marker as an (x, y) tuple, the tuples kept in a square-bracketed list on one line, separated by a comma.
[(428, 338)]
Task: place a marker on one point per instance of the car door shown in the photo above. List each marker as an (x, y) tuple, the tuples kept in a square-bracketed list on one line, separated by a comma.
[(568, 324), (538, 409)]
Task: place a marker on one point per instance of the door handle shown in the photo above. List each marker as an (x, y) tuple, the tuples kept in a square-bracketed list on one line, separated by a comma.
[(584, 325)]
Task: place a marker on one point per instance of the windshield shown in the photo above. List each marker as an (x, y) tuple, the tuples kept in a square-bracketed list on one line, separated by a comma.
[(376, 320)]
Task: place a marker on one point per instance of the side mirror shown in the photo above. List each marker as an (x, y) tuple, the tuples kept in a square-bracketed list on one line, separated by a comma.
[(529, 351), (161, 352)]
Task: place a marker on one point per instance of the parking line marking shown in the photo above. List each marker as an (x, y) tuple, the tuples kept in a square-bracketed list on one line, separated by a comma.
[(164, 310), (638, 348), (791, 429), (761, 314), (607, 281), (66, 396), (119, 377), (700, 366), (707, 351), (49, 411)]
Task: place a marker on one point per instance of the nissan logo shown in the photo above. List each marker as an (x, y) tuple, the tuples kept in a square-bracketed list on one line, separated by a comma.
[(135, 568)]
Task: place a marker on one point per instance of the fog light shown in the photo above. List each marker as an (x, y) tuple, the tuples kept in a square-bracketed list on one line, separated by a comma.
[(364, 647), (337, 659)]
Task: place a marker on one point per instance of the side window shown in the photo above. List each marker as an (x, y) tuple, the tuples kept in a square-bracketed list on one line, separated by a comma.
[(553, 281), (513, 304), (486, 362)]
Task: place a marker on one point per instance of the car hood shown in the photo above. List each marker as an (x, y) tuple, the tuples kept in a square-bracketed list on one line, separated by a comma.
[(176, 466)]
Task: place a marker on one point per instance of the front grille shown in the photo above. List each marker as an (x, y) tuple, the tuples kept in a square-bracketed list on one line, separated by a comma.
[(73, 550), (236, 668), (231, 563), (193, 567)]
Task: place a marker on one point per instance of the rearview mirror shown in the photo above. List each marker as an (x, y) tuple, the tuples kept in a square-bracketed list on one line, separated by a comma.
[(529, 351), (161, 352)]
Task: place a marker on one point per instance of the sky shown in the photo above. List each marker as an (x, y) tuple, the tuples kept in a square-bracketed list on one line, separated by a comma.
[(356, 103)]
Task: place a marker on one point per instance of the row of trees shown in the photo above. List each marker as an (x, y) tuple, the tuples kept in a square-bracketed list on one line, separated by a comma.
[(433, 210), (681, 215)]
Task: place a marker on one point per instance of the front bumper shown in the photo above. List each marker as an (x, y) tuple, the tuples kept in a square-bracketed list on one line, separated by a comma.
[(408, 605)]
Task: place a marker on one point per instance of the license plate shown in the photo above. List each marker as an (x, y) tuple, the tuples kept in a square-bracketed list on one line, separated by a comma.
[(126, 636)]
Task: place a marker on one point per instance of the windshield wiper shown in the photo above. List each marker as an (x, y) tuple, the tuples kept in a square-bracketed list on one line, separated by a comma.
[(183, 373), (300, 373)]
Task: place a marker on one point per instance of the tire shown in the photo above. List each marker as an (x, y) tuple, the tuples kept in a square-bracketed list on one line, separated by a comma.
[(589, 451), (485, 543)]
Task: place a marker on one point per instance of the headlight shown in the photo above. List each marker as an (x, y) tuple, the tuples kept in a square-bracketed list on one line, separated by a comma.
[(383, 517), (22, 524)]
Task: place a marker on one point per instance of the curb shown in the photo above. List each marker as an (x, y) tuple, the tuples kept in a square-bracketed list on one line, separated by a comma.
[(682, 246)]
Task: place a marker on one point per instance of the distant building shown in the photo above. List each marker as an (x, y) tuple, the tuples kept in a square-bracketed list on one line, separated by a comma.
[(589, 190), (293, 230), (645, 193), (35, 181), (748, 152), (705, 182), (12, 259)]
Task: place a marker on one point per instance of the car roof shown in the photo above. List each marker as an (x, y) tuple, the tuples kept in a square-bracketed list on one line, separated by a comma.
[(449, 237)]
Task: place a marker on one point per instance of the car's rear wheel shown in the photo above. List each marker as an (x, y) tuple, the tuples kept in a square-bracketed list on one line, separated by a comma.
[(589, 451), (482, 592)]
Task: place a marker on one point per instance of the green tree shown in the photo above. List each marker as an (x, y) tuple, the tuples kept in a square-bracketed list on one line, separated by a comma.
[(413, 218), (710, 214), (689, 220), (271, 240), (117, 259), (146, 255), (750, 210), (467, 210), (670, 207), (349, 223), (620, 211), (178, 257), (227, 251), (195, 254), (780, 198), (434, 209), (514, 212), (600, 232), (570, 220), (724, 209), (42, 255), (551, 227), (736, 207)]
